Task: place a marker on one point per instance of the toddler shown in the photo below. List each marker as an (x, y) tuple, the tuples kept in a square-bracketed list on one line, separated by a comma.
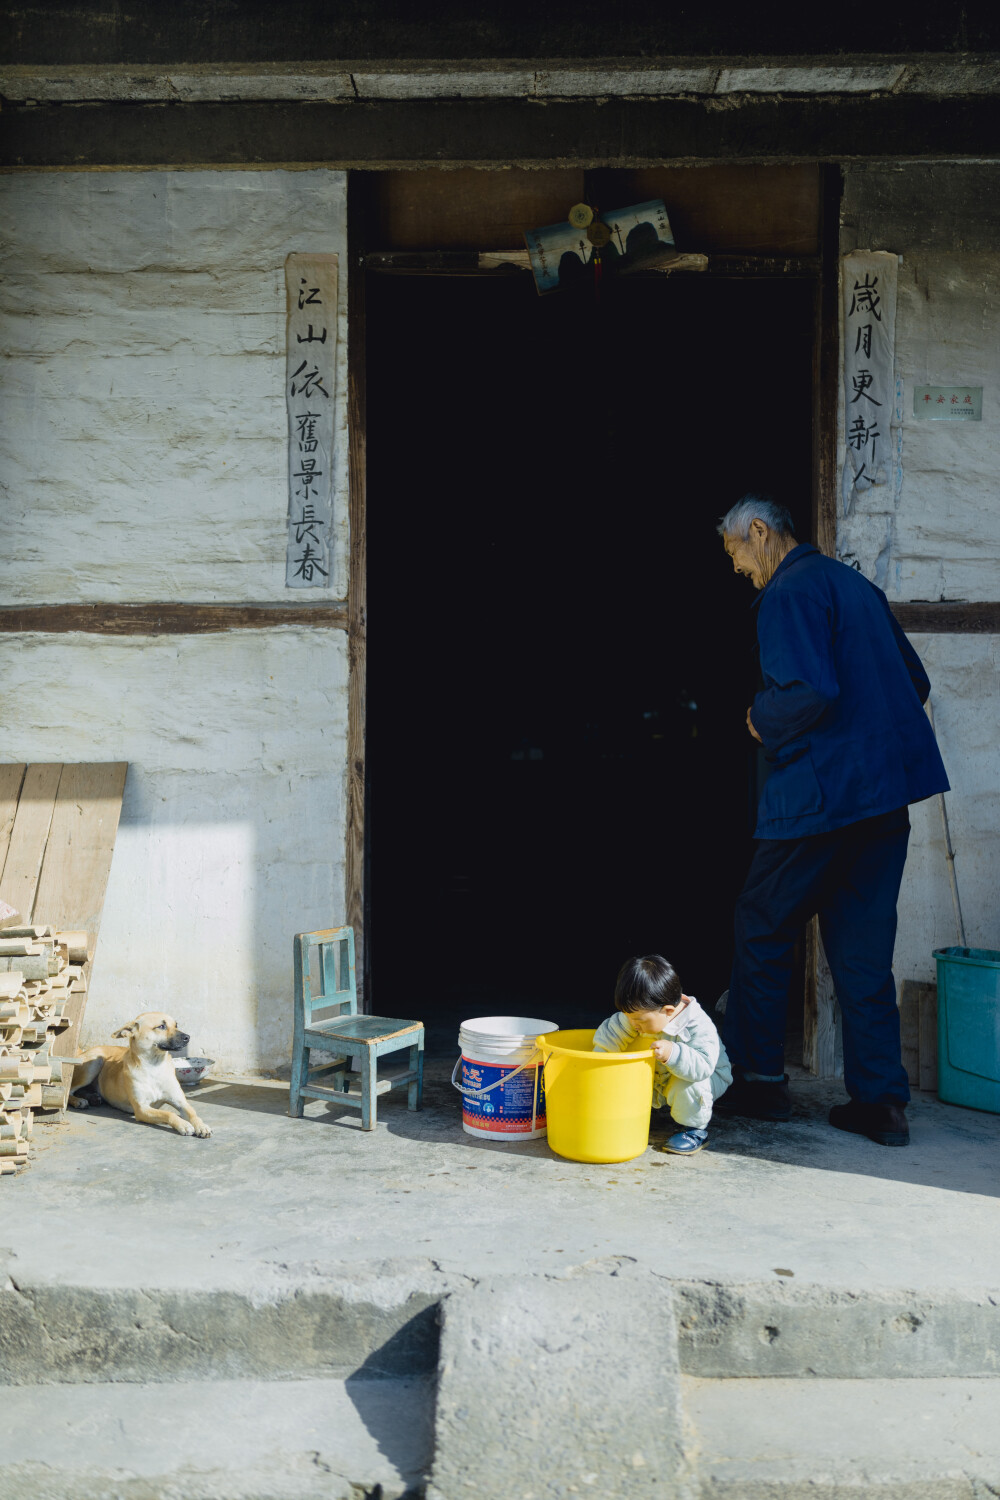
[(692, 1068)]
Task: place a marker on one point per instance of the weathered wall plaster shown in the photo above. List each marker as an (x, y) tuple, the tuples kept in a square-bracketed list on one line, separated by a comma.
[(142, 447), (937, 536), (231, 837), (143, 453), (965, 690)]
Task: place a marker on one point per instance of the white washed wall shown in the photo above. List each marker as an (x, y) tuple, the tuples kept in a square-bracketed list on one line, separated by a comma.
[(939, 538), (142, 445), (143, 458), (965, 677), (231, 836)]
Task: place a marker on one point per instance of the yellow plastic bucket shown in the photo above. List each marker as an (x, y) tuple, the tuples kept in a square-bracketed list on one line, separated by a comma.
[(597, 1103)]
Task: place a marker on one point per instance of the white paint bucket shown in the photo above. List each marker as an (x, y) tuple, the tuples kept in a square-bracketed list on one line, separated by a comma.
[(503, 1094)]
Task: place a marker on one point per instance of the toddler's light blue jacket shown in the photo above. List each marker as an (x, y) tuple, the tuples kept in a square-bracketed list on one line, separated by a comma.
[(698, 1055)]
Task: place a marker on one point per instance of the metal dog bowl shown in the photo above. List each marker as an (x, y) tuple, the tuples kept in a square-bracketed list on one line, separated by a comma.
[(191, 1070)]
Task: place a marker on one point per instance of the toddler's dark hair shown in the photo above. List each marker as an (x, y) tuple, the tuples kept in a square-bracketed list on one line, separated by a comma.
[(647, 983)]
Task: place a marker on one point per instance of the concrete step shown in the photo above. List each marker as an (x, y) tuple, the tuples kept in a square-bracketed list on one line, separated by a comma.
[(218, 1440), (383, 1318), (844, 1439), (374, 1319), (786, 1328)]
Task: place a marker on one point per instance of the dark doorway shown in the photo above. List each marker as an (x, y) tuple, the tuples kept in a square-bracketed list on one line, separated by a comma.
[(559, 655)]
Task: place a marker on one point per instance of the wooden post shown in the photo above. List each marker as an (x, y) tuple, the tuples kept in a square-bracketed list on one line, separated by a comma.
[(819, 1047), (909, 1030), (927, 1003), (822, 1040), (357, 588)]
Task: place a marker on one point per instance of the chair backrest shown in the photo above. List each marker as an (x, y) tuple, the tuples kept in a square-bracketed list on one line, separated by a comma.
[(336, 983)]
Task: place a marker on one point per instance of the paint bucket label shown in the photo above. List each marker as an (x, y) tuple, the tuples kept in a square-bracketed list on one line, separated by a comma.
[(505, 1110)]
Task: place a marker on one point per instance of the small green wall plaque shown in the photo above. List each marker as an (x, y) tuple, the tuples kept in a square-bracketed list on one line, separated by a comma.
[(948, 403)]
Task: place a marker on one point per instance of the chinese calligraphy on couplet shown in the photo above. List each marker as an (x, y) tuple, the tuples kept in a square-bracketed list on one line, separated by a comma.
[(310, 371), (870, 424)]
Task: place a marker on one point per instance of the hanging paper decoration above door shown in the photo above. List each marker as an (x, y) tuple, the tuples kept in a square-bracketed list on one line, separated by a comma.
[(568, 254)]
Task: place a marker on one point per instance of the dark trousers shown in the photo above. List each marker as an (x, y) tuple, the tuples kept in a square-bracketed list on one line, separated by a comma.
[(849, 878)]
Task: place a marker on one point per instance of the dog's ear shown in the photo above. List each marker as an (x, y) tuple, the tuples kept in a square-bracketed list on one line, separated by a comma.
[(127, 1031)]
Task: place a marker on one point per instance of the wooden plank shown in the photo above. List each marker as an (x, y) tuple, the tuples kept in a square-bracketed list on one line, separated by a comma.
[(928, 1037), (81, 842), (362, 1029), (77, 865), (32, 820), (909, 1029), (726, 208), (500, 263), (170, 619), (11, 777), (468, 210), (357, 591), (948, 617), (67, 1042)]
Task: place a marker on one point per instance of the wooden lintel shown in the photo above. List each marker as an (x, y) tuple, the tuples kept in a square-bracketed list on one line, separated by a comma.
[(790, 266), (168, 619), (504, 263), (385, 133), (948, 617)]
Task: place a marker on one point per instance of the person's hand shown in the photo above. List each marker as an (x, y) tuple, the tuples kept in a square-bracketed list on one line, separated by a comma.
[(663, 1051), (752, 729)]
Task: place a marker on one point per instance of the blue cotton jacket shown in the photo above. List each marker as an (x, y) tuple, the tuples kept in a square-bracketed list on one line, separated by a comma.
[(841, 710)]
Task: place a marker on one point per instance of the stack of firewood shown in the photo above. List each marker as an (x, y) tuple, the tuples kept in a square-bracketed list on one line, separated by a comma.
[(39, 970)]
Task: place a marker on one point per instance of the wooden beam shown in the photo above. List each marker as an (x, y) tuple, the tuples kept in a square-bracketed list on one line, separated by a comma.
[(508, 262), (357, 589), (948, 617), (28, 837), (11, 777), (615, 132), (77, 864), (826, 361), (168, 619)]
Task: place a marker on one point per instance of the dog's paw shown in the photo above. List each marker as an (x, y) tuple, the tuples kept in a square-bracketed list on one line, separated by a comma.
[(182, 1127), (202, 1130), (78, 1103)]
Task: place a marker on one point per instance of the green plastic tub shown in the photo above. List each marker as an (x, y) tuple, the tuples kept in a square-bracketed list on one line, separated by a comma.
[(969, 1027)]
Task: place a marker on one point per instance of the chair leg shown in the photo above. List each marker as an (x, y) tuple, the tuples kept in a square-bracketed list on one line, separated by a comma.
[(415, 1092), (369, 1099), (300, 1072)]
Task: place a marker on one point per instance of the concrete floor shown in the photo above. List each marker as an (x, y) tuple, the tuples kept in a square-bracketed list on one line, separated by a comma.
[(109, 1202), (298, 1310)]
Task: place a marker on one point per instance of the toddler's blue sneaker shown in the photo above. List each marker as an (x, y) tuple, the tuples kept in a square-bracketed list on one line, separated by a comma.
[(685, 1142)]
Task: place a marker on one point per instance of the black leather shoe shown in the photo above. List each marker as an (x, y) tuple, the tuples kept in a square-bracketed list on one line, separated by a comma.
[(884, 1123), (756, 1099)]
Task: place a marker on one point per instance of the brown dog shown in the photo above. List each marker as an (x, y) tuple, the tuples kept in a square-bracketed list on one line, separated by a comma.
[(140, 1075)]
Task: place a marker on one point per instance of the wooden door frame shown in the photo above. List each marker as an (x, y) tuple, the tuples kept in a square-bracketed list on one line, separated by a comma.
[(820, 1044), (355, 862), (817, 1045)]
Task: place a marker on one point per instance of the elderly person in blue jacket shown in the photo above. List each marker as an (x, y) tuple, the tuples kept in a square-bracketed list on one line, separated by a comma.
[(840, 717)]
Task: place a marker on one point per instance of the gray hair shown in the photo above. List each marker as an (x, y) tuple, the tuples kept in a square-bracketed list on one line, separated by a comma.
[(736, 521)]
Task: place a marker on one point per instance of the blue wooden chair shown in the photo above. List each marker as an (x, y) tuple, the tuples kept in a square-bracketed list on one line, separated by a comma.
[(347, 1035)]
